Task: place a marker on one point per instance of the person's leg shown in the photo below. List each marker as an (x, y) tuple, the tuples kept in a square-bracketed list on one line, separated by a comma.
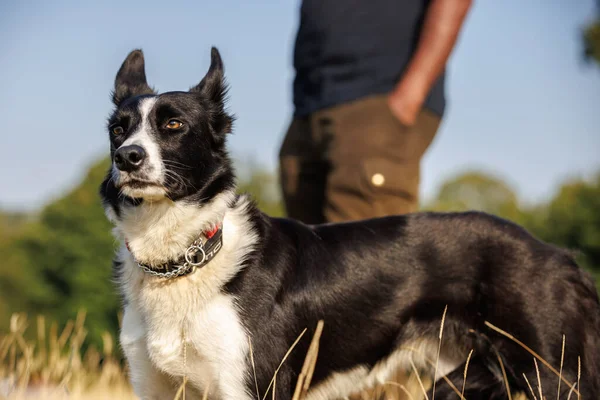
[(374, 159), (302, 173)]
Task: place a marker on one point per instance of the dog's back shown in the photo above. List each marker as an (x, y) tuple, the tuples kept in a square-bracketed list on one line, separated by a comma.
[(531, 290), (381, 286)]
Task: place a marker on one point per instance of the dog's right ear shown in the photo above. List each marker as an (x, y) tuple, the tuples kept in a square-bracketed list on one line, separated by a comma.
[(214, 89), (131, 78)]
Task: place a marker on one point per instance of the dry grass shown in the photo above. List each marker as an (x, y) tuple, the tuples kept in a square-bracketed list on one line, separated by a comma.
[(52, 366)]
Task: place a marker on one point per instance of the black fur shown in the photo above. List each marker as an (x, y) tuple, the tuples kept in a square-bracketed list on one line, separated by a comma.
[(200, 158), (380, 283), (131, 79), (386, 281)]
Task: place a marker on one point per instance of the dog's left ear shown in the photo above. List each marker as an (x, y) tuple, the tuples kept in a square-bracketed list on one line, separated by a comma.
[(214, 89), (131, 78)]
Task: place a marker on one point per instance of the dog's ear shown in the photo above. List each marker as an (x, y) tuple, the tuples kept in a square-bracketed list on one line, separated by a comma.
[(131, 78), (212, 86), (214, 89)]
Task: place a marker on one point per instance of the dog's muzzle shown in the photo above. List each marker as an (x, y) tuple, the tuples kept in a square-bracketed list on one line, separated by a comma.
[(129, 158)]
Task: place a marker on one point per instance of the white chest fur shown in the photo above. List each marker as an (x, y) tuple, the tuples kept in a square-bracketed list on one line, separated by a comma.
[(188, 326), (207, 345)]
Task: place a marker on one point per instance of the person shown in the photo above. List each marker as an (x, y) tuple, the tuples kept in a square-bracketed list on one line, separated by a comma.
[(368, 100)]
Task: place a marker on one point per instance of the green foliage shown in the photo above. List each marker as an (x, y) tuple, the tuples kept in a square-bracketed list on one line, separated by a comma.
[(11, 223), (591, 40), (262, 186), (477, 191), (572, 220), (59, 260)]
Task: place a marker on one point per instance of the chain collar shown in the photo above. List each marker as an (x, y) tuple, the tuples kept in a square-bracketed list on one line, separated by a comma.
[(197, 255)]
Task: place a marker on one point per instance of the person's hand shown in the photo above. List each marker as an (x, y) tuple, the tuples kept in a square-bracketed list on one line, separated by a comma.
[(406, 103)]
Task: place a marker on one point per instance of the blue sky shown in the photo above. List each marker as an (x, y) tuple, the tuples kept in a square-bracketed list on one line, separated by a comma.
[(522, 103)]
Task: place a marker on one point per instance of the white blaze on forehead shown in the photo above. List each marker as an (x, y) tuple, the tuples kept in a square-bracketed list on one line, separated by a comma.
[(142, 137)]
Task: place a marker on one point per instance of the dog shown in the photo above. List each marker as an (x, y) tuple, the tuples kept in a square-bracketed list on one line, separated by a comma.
[(216, 292)]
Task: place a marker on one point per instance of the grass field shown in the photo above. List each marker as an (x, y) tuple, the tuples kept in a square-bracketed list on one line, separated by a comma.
[(51, 365), (39, 361)]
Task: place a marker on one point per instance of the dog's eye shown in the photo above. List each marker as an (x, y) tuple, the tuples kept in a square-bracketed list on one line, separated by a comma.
[(117, 130), (174, 124)]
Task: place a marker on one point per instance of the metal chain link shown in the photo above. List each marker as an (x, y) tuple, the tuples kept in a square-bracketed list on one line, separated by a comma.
[(180, 270), (191, 251)]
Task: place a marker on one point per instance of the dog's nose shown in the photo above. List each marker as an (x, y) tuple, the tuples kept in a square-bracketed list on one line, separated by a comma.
[(129, 158)]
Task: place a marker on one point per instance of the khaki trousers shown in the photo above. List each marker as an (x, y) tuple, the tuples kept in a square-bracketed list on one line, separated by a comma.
[(353, 161)]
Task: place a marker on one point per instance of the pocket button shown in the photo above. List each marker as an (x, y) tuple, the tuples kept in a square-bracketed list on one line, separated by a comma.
[(378, 179)]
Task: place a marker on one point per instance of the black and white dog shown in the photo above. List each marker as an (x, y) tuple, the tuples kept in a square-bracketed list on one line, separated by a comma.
[(207, 278)]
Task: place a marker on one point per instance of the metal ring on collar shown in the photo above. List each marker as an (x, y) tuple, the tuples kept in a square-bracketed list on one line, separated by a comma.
[(196, 250)]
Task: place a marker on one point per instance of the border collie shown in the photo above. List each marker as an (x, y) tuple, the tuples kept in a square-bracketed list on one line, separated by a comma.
[(217, 292)]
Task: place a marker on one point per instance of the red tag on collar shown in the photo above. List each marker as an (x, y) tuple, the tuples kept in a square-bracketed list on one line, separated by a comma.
[(210, 234)]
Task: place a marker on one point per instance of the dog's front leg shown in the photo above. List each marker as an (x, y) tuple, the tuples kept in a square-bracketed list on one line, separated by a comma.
[(148, 382)]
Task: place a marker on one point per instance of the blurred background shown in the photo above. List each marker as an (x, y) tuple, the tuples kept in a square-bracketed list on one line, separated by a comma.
[(520, 138)]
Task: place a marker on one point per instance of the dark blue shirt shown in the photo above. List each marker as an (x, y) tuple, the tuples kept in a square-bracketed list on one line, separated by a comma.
[(349, 49)]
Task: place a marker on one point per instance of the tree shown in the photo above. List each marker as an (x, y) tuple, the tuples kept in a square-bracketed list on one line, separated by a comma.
[(572, 220), (60, 261), (477, 191), (262, 186), (591, 40), (261, 183)]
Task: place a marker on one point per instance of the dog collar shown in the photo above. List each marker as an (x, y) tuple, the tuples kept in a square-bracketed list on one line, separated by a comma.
[(197, 255)]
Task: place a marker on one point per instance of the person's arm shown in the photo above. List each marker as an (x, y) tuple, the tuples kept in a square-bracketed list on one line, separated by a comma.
[(442, 24)]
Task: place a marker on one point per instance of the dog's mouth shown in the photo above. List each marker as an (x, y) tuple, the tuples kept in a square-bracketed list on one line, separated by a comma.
[(143, 189), (138, 184)]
